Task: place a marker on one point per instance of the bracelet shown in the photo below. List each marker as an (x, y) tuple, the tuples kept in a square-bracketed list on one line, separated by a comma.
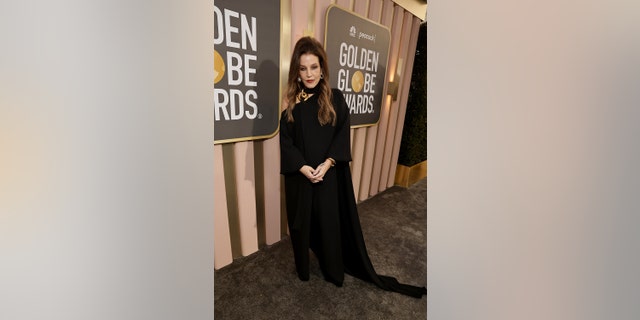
[(333, 162)]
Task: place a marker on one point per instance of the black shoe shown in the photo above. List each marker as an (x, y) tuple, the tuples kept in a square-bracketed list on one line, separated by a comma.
[(336, 282)]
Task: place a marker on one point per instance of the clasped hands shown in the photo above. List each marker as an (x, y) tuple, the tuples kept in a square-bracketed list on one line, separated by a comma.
[(316, 175)]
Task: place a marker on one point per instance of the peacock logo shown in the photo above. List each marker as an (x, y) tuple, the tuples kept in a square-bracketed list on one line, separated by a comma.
[(352, 31)]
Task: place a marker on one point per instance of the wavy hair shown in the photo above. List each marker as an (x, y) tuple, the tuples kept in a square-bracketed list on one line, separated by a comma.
[(309, 45)]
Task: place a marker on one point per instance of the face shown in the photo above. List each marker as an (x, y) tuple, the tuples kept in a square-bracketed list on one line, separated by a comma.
[(310, 70)]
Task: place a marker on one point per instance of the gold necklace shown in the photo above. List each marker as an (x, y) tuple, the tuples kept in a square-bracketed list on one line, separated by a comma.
[(302, 96)]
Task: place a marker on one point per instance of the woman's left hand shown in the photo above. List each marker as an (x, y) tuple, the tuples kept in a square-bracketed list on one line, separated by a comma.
[(319, 172)]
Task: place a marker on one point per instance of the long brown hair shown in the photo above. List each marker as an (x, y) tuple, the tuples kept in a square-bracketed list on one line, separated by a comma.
[(309, 45)]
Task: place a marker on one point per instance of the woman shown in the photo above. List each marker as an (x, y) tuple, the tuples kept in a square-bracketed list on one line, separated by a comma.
[(315, 155)]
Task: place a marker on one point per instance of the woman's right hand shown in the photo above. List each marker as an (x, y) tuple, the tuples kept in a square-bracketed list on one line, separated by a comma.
[(314, 175)]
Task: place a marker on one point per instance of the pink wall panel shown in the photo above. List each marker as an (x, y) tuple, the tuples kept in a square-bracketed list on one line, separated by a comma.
[(393, 112), (222, 240), (351, 135), (271, 163), (374, 10), (246, 185), (346, 4), (320, 18), (367, 164), (381, 135), (299, 20), (357, 155), (360, 7)]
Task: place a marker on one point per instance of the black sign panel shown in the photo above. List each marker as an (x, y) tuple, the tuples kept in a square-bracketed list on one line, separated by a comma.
[(357, 49), (246, 69)]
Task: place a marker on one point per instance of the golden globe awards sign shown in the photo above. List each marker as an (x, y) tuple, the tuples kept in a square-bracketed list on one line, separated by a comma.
[(357, 50), (246, 55)]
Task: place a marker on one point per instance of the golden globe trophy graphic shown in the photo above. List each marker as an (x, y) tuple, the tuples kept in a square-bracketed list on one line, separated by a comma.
[(218, 67), (357, 81)]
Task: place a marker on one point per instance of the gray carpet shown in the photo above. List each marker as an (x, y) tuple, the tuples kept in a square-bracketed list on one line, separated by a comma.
[(264, 285)]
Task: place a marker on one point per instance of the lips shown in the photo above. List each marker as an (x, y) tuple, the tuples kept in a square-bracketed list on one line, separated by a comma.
[(309, 81)]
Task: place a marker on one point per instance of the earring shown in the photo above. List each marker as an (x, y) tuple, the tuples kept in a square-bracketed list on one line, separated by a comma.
[(322, 76), (299, 80)]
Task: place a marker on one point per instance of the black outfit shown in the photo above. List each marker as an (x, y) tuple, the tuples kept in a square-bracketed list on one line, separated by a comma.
[(323, 216)]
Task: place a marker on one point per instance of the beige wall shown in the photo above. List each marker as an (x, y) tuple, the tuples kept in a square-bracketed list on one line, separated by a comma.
[(248, 206)]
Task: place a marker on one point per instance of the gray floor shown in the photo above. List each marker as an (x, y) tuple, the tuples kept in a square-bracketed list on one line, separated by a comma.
[(264, 285)]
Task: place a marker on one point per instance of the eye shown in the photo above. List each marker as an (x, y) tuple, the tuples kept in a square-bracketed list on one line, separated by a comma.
[(314, 67)]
